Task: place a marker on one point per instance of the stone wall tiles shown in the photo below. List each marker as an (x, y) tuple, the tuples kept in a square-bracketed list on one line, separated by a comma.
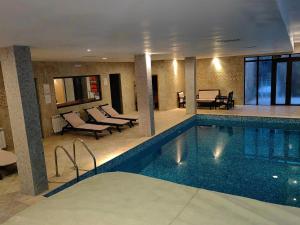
[(45, 72), (229, 77)]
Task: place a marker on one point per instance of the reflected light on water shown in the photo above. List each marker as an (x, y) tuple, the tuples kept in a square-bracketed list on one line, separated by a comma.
[(178, 153)]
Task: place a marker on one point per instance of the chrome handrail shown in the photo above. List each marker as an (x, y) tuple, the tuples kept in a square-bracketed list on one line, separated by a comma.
[(87, 149), (70, 157)]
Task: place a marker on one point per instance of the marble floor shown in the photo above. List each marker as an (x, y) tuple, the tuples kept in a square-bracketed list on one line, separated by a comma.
[(131, 199), (108, 147)]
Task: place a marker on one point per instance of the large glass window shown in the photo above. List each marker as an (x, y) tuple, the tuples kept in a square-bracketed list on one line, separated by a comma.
[(281, 72), (250, 83), (295, 87), (272, 80), (264, 82)]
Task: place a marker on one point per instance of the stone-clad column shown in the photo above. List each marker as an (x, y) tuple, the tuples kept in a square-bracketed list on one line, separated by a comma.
[(143, 78), (190, 85), (24, 118)]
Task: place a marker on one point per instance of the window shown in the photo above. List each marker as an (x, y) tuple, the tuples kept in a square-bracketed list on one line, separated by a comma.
[(264, 82), (272, 80), (295, 95), (258, 80), (281, 72), (250, 83)]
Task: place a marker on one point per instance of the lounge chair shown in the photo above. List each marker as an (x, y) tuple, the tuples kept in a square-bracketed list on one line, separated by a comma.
[(6, 159), (226, 101), (75, 123), (114, 114), (97, 117)]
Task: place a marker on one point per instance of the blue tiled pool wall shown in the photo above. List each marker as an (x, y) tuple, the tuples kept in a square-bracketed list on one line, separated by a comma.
[(117, 164), (130, 156), (249, 121)]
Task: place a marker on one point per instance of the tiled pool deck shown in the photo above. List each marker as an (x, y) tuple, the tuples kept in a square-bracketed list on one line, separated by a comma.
[(131, 199), (108, 147)]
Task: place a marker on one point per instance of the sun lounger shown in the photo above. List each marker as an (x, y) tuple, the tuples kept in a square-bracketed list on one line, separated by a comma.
[(97, 117), (75, 123), (114, 114), (6, 159)]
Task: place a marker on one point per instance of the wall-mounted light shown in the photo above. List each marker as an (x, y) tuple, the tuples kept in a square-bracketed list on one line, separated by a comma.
[(217, 64), (148, 61), (175, 66)]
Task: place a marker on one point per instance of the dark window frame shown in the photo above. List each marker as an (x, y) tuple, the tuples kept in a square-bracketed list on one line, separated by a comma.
[(275, 58)]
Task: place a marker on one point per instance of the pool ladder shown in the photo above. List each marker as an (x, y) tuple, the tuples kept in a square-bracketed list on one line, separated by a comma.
[(73, 160)]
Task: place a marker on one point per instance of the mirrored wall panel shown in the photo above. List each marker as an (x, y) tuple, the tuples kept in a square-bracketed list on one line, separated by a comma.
[(77, 90)]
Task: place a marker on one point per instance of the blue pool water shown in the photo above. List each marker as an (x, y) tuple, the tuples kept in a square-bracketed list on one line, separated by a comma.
[(254, 157), (259, 163)]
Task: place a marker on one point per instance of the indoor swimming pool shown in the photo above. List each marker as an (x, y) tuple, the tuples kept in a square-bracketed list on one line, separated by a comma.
[(243, 157), (258, 163)]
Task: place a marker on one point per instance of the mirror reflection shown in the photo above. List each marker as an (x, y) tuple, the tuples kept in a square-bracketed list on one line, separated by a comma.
[(77, 90)]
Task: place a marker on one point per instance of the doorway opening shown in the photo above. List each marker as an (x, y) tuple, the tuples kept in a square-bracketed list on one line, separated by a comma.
[(116, 92), (155, 91)]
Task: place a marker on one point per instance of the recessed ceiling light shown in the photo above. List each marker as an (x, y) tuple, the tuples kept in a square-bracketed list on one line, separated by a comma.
[(89, 50), (275, 177), (294, 199)]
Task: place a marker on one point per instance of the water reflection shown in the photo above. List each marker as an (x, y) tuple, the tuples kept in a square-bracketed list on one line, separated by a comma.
[(272, 144)]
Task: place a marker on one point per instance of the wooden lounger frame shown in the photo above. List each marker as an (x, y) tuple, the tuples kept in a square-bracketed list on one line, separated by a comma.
[(71, 128)]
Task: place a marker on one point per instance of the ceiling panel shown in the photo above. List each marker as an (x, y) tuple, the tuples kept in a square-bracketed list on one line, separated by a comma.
[(118, 29)]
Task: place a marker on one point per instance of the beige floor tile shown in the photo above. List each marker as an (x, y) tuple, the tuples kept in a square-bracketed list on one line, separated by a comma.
[(213, 208), (113, 198), (110, 146), (105, 149)]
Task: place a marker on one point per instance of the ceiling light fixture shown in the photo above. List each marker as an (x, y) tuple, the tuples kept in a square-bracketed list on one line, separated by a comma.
[(89, 50), (104, 58)]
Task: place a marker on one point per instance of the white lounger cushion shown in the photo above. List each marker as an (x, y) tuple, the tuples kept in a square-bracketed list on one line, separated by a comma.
[(99, 117), (7, 158), (207, 95), (110, 110), (74, 119), (114, 113)]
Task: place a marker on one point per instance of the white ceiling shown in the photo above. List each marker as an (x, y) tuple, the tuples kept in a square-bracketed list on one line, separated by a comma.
[(290, 11), (118, 29)]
